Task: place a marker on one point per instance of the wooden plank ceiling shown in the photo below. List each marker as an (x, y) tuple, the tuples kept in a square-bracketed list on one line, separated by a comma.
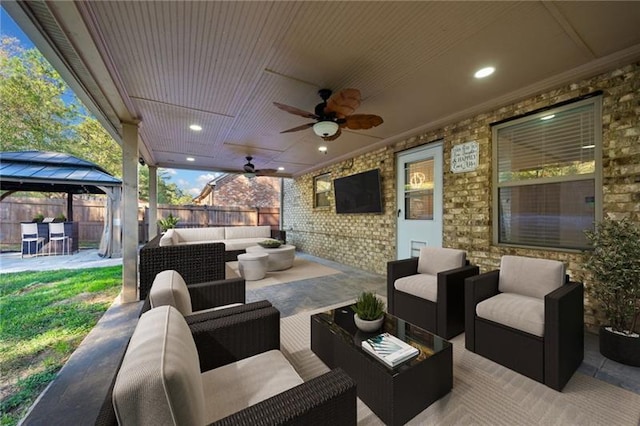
[(222, 65)]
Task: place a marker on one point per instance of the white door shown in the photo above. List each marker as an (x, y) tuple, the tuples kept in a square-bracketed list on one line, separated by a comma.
[(419, 210)]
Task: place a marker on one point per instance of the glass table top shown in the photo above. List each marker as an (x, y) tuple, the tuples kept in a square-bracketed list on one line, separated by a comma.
[(340, 322)]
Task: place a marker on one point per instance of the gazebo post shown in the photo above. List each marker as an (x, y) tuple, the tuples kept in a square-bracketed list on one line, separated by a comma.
[(69, 207)]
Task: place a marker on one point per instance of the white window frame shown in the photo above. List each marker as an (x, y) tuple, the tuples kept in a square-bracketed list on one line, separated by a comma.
[(596, 176), (324, 176)]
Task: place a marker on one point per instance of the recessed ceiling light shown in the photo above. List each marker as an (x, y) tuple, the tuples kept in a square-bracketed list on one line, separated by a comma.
[(547, 117), (191, 159), (322, 148), (588, 146), (195, 127), (484, 72), (280, 168)]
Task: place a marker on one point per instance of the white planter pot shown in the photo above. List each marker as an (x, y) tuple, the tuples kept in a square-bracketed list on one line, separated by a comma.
[(368, 326)]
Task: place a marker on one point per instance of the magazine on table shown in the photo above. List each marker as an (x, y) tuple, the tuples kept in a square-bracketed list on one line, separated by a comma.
[(389, 349)]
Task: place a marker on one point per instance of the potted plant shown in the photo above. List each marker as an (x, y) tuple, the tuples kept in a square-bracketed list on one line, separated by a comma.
[(614, 264), (369, 312), (168, 222)]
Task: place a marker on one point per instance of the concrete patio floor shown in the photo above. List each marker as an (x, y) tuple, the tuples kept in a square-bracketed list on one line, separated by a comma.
[(289, 298), (89, 258)]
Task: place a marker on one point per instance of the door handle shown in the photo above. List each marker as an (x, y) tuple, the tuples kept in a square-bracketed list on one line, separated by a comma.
[(399, 211)]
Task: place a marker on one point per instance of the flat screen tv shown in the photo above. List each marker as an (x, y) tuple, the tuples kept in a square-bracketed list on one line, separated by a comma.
[(359, 193)]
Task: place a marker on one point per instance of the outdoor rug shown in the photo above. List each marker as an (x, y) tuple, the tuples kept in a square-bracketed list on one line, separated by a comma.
[(485, 393), (302, 269)]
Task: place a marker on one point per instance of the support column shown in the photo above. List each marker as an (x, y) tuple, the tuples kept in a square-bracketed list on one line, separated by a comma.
[(129, 212), (153, 202)]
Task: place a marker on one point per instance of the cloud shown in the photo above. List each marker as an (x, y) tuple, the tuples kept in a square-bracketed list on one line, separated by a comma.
[(203, 179), (170, 171), (183, 183), (194, 191)]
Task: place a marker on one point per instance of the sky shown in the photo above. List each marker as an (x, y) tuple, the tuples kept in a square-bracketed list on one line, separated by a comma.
[(190, 181)]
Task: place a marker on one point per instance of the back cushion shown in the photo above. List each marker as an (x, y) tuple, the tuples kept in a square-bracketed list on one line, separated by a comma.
[(167, 238), (231, 232), (530, 276), (190, 235), (159, 382), (436, 259), (169, 288)]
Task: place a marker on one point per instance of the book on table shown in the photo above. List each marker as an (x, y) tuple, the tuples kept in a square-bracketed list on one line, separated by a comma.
[(389, 349)]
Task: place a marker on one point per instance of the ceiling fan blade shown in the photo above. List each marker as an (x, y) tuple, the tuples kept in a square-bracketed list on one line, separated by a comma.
[(334, 137), (362, 121), (343, 103), (266, 172), (295, 111), (297, 129), (249, 168)]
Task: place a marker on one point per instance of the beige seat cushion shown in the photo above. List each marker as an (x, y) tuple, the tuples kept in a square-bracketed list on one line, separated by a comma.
[(436, 259), (241, 243), (241, 384), (159, 382), (513, 310), (169, 288), (420, 285), (529, 276)]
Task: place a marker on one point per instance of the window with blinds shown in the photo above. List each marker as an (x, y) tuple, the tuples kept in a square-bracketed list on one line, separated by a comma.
[(545, 176)]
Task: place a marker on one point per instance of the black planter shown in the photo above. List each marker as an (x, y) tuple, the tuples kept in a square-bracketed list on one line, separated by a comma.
[(620, 348)]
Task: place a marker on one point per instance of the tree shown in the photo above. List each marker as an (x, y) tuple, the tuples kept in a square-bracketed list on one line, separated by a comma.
[(168, 192), (39, 112), (33, 114)]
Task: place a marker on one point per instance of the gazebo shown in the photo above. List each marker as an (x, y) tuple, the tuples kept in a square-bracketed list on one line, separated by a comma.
[(40, 171)]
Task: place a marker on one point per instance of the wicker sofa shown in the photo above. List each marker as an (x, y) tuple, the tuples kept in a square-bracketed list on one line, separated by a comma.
[(235, 238), (172, 374), (196, 263)]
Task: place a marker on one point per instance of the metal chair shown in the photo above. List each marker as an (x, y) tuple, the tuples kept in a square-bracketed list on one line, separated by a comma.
[(56, 233), (30, 236)]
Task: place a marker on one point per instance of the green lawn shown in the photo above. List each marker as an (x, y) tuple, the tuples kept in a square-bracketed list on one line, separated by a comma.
[(43, 318)]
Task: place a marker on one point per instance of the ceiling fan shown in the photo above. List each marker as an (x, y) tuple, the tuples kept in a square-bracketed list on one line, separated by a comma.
[(335, 112), (251, 172)]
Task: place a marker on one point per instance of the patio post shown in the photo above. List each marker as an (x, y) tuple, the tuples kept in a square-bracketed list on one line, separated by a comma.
[(129, 212), (153, 202)]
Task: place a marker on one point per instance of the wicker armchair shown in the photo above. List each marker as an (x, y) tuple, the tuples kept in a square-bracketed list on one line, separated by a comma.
[(429, 291), (228, 349), (528, 317), (202, 301), (197, 263)]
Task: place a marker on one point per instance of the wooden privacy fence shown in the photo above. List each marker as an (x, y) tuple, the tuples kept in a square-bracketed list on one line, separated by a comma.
[(90, 216)]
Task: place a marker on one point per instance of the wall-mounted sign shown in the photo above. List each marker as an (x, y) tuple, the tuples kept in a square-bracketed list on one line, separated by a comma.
[(464, 157)]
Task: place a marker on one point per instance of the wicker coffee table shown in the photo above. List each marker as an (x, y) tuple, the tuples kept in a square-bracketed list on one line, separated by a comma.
[(396, 394)]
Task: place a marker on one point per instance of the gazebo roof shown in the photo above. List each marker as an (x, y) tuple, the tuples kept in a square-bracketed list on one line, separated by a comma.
[(52, 172)]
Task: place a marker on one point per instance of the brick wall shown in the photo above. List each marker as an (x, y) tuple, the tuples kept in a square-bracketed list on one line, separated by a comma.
[(239, 191), (368, 241)]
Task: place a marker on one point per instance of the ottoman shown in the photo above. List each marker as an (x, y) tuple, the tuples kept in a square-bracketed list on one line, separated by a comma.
[(253, 266), (279, 258)]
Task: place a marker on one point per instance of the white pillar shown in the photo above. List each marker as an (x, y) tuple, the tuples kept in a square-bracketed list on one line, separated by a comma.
[(153, 202), (129, 212)]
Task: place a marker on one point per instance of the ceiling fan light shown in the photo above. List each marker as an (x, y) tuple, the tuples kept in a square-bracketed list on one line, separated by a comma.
[(249, 175), (325, 128)]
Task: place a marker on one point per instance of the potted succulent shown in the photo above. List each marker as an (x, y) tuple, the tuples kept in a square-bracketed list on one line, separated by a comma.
[(168, 222), (369, 312), (614, 264)]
